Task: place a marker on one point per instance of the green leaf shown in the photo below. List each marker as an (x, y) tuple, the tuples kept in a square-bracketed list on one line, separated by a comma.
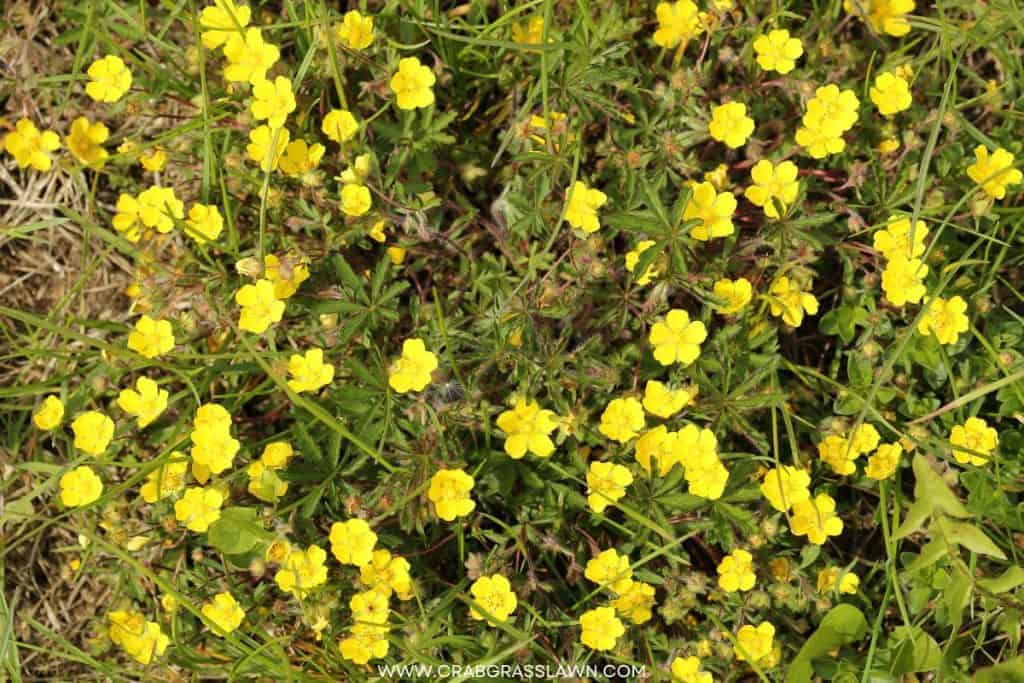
[(913, 650), (956, 596), (844, 624), (237, 531), (916, 515), (931, 553), (970, 537), (1011, 671), (1007, 581)]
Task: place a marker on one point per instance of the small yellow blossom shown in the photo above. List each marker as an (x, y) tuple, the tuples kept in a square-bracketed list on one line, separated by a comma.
[(775, 186), (286, 273), (109, 79), (945, 318), (995, 172), (396, 254), (449, 492), (687, 670), (661, 445), (213, 447), (816, 518), (730, 124), (636, 603), (355, 31), (676, 339), (529, 32), (413, 84), (890, 93), (777, 51), (600, 628), (885, 16), (86, 141), (339, 125), (80, 486), (260, 308), (661, 401), (495, 597), (583, 204), (714, 210), (606, 483), (678, 23), (633, 258), (31, 147), (300, 157), (158, 208), (754, 643), (411, 372), (140, 639), (146, 402), (204, 223), (386, 574), (302, 571), (369, 607), (221, 20), (735, 293), (277, 454), (93, 431), (903, 281), (355, 199), (849, 583), (830, 113), (357, 172), (894, 240), (199, 508), (736, 572), (791, 302), (527, 427), (352, 542), (165, 480), (223, 613), (973, 441), (706, 476), (610, 571), (264, 482), (838, 454), (622, 419), (50, 414), (259, 148), (368, 641), (309, 372), (884, 462), (785, 486), (155, 160), (273, 101), (249, 56)]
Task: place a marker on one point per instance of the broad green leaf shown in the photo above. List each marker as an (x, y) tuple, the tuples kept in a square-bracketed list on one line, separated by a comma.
[(1007, 581), (1007, 672), (957, 596), (970, 537), (844, 624), (913, 650), (930, 553), (237, 531)]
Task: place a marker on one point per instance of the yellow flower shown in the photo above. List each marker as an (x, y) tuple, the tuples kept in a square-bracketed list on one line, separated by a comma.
[(272, 100), (884, 462), (396, 254), (610, 571), (790, 302), (678, 23), (355, 199), (30, 147), (153, 161), (221, 20), (158, 207), (894, 240), (660, 444), (412, 371), (495, 597), (86, 141), (622, 419), (128, 219), (945, 318), (146, 402), (109, 80), (600, 628), (376, 231), (830, 113), (818, 143), (735, 293), (816, 518), (212, 416), (352, 542), (50, 414), (777, 51), (785, 486), (885, 16), (865, 439), (93, 432), (204, 223), (890, 93), (530, 32), (995, 172), (527, 427), (714, 210), (736, 572), (140, 639), (903, 281), (366, 642), (356, 31), (259, 148), (302, 571), (278, 551), (413, 84), (849, 583), (636, 603), (676, 339), (730, 124), (774, 186), (583, 203), (309, 372), (260, 308), (339, 125), (223, 613), (369, 607), (973, 441), (151, 338), (264, 483), (199, 508), (300, 157), (838, 453), (79, 487), (888, 146), (661, 401), (213, 447), (287, 274), (449, 492), (386, 574), (687, 670), (606, 483), (706, 476), (633, 258), (357, 172), (277, 454), (165, 480), (754, 644), (249, 56)]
